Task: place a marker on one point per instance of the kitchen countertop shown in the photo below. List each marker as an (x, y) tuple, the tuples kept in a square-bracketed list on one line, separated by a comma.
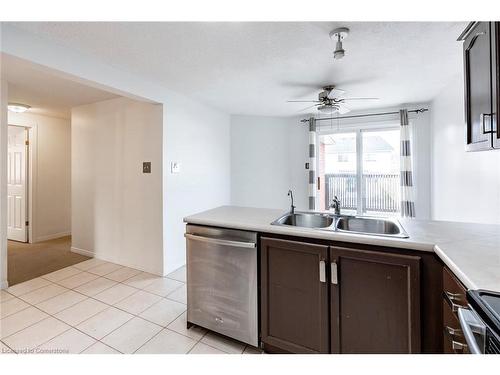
[(471, 251)]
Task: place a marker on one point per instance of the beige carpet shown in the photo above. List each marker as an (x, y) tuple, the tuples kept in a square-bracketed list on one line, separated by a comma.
[(27, 261)]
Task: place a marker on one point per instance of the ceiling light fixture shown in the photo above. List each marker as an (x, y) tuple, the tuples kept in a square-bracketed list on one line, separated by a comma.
[(338, 35), (18, 107)]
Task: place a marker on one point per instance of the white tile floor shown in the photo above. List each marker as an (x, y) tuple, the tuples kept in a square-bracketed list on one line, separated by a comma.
[(97, 307)]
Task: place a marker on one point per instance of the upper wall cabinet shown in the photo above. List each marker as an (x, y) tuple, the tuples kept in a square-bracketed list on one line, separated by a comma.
[(481, 59)]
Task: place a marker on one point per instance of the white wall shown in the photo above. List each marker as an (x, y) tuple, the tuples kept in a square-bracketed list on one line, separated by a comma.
[(183, 120), (465, 185), (51, 171), (199, 140), (268, 156), (116, 209)]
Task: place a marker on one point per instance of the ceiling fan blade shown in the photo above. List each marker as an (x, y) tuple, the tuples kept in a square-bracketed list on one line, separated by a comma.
[(305, 109), (303, 101), (335, 93), (360, 99), (343, 109)]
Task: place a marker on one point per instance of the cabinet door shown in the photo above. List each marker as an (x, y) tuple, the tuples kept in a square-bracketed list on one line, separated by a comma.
[(478, 87), (294, 296), (375, 302)]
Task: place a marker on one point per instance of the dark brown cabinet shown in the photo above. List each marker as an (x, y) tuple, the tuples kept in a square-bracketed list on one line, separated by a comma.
[(294, 296), (317, 298), (481, 85), (375, 302)]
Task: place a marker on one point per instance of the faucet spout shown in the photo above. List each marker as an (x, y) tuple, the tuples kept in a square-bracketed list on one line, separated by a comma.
[(292, 207), (335, 205)]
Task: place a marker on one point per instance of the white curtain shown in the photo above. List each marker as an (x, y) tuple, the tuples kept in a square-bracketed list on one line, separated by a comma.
[(407, 183)]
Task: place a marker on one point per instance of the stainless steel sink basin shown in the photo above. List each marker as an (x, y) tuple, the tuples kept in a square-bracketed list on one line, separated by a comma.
[(370, 225), (344, 224), (306, 219)]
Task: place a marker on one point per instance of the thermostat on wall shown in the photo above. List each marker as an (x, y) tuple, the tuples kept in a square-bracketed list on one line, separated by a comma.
[(175, 167)]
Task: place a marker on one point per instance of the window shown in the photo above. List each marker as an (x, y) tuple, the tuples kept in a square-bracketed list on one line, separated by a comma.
[(360, 167)]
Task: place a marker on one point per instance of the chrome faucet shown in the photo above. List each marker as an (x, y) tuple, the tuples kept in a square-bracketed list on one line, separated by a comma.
[(335, 205), (292, 207)]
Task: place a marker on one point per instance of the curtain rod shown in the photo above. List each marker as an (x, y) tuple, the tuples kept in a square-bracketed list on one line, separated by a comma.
[(419, 110)]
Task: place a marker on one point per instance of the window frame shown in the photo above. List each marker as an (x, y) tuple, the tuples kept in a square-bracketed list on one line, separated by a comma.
[(358, 129)]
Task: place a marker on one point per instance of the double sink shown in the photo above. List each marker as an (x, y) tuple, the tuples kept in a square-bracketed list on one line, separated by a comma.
[(344, 223)]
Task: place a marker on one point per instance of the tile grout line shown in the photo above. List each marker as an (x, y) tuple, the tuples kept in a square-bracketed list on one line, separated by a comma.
[(22, 329), (8, 347), (171, 330), (212, 346), (107, 308), (24, 308), (20, 297), (50, 316)]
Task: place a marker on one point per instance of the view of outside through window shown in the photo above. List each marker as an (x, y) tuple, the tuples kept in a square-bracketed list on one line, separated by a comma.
[(362, 169)]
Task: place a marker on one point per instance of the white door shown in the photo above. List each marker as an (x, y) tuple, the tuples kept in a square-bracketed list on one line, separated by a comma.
[(17, 180)]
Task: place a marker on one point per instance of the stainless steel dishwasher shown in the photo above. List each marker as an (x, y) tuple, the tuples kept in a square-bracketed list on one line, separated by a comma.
[(222, 281)]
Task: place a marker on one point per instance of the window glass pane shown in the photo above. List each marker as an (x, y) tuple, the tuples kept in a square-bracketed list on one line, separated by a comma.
[(337, 170), (380, 179)]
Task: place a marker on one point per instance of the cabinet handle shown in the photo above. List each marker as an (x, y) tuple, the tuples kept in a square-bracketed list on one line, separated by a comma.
[(481, 118), (333, 268), (450, 298), (452, 332), (322, 271), (458, 346)]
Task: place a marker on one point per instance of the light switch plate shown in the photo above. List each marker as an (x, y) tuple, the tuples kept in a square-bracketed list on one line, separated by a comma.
[(175, 167)]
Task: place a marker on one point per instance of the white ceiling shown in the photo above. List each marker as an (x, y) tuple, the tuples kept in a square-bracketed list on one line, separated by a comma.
[(46, 93), (253, 68)]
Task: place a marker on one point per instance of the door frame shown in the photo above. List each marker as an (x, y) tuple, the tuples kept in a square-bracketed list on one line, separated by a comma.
[(31, 159)]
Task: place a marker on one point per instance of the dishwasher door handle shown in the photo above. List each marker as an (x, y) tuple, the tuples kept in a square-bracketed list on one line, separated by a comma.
[(218, 241)]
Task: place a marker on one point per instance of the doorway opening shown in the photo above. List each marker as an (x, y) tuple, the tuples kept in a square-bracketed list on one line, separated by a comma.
[(82, 191), (38, 215), (39, 158)]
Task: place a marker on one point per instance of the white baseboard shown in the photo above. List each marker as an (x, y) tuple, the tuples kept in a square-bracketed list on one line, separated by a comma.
[(4, 284), (52, 236), (92, 254), (174, 268), (87, 253)]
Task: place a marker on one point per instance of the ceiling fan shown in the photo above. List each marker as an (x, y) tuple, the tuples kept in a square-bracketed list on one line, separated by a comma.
[(330, 100)]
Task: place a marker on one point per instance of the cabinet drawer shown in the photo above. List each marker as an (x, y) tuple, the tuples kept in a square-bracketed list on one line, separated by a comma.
[(453, 340), (453, 292)]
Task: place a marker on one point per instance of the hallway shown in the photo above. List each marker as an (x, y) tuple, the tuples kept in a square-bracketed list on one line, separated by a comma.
[(28, 261)]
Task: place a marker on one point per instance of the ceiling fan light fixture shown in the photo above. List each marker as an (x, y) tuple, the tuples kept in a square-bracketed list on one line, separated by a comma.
[(327, 108), (339, 51), (18, 107)]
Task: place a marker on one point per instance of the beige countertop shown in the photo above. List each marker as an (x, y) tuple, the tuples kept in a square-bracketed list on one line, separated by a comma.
[(471, 251)]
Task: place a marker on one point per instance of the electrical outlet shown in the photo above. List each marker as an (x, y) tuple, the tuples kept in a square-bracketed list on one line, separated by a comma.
[(146, 167)]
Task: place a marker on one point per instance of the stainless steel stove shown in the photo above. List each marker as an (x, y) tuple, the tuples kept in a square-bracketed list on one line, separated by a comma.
[(481, 322)]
